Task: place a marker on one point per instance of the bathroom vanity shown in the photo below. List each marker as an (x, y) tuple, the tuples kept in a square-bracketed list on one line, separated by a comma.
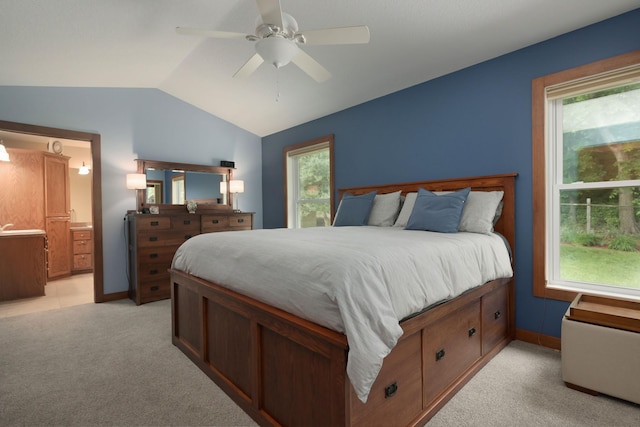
[(23, 272)]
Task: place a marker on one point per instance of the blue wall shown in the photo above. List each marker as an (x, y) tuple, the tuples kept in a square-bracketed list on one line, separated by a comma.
[(138, 123), (476, 121)]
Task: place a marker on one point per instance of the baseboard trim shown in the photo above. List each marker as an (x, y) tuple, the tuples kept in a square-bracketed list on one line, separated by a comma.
[(114, 296), (538, 338)]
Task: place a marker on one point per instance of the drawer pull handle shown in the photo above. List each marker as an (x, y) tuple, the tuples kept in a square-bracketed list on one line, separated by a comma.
[(153, 272), (155, 288), (153, 255), (240, 219), (186, 222), (153, 239), (215, 221), (390, 390), (497, 315), (154, 223), (472, 332), (188, 236), (439, 354)]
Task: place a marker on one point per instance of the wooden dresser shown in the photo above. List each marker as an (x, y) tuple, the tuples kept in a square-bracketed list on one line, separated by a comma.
[(154, 239)]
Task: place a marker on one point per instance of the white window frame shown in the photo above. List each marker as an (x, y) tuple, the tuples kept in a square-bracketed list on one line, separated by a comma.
[(547, 169), (292, 195)]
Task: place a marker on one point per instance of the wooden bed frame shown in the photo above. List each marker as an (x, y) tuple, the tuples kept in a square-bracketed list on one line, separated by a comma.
[(283, 370)]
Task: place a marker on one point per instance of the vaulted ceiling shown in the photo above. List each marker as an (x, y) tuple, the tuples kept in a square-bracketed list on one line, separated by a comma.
[(116, 43)]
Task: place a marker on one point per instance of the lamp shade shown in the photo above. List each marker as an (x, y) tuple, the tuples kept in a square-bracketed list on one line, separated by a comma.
[(223, 187), (236, 186), (136, 181), (4, 156)]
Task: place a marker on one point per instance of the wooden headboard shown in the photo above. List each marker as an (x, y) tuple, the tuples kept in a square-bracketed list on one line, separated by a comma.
[(503, 182)]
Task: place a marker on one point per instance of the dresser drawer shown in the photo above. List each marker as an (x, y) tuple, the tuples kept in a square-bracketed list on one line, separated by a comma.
[(154, 271), (82, 235), (211, 223), (186, 222), (240, 222), (82, 247), (157, 254), (451, 348), (83, 262), (154, 290), (495, 317), (153, 222), (163, 238)]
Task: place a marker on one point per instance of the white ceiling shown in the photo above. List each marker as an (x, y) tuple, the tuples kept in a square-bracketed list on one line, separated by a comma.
[(119, 43)]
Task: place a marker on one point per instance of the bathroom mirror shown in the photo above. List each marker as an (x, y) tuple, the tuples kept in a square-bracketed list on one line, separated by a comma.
[(169, 185)]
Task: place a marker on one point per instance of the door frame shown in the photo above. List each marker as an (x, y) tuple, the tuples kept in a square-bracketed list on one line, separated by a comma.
[(96, 188)]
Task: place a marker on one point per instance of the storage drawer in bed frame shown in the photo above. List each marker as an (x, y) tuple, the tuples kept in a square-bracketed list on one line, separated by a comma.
[(232, 339)]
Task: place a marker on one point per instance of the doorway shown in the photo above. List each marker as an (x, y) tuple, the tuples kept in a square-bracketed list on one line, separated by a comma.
[(96, 187)]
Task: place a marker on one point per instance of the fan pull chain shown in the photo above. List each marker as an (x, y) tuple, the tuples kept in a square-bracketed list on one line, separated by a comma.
[(277, 84)]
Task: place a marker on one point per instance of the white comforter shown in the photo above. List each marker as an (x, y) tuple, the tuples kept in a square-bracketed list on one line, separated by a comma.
[(360, 281)]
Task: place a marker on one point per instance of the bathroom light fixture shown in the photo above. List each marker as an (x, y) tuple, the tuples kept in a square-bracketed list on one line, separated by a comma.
[(83, 170), (136, 181), (236, 186), (4, 156)]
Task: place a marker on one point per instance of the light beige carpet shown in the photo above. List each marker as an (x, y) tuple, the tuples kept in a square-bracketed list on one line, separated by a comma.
[(113, 364)]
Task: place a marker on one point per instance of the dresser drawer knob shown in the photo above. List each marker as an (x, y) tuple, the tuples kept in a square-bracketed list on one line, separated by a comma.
[(153, 255), (390, 390), (215, 221), (153, 272), (186, 222), (155, 288), (154, 223), (497, 315), (188, 236), (153, 239), (439, 354), (472, 332), (240, 219)]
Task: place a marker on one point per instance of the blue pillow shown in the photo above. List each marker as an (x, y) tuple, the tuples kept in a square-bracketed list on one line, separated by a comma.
[(441, 213), (354, 210)]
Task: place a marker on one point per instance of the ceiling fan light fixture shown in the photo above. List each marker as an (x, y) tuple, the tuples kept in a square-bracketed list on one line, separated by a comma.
[(277, 51)]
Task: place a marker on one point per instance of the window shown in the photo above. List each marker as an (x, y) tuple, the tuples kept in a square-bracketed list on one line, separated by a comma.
[(309, 183), (586, 173)]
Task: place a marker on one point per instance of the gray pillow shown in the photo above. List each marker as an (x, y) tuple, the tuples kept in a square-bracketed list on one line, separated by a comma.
[(479, 211), (385, 209), (354, 210), (441, 213), (405, 211)]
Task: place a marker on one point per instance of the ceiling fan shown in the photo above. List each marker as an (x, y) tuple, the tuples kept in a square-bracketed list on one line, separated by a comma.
[(277, 41)]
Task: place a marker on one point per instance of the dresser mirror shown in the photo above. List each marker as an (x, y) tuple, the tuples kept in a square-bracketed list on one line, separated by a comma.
[(170, 185)]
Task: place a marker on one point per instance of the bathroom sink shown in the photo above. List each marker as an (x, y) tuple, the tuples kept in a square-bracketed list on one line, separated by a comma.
[(20, 232)]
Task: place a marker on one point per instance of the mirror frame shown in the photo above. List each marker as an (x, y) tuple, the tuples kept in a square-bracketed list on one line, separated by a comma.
[(144, 164)]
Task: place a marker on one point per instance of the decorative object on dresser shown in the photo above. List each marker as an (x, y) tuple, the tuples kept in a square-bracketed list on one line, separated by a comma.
[(257, 352), (154, 239)]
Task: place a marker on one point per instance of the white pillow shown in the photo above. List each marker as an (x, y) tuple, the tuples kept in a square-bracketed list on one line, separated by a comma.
[(406, 210), (385, 209), (479, 211)]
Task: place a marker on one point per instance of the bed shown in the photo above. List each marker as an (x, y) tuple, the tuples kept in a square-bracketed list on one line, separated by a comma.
[(282, 368)]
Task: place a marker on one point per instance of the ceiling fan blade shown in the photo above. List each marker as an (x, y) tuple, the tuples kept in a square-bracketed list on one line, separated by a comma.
[(271, 12), (344, 35), (310, 66), (210, 33), (249, 67)]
